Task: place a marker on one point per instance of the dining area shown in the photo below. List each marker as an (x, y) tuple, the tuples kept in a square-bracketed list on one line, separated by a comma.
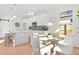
[(45, 44), (8, 46), (51, 42)]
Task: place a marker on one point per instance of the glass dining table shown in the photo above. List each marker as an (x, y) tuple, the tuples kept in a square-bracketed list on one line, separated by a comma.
[(46, 41)]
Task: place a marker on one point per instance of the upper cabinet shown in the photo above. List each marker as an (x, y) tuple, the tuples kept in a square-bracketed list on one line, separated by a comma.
[(67, 13)]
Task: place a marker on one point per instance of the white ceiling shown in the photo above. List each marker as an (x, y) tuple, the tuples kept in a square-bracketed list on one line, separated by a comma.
[(19, 10)]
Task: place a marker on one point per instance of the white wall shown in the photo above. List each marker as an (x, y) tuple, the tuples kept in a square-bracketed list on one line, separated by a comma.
[(4, 26), (75, 29), (41, 20)]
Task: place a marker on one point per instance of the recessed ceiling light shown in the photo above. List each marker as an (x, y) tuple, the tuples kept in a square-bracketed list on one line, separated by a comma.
[(50, 24), (14, 17), (11, 19), (30, 13)]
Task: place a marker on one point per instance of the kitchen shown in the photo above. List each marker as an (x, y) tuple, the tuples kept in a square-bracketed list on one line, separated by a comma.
[(49, 29)]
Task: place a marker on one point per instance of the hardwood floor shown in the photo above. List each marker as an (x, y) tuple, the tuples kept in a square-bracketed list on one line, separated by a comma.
[(18, 50)]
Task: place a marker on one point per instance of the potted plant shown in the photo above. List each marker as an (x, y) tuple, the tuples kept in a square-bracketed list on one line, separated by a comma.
[(49, 35)]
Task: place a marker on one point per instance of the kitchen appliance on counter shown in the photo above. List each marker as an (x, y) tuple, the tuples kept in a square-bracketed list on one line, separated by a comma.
[(42, 28)]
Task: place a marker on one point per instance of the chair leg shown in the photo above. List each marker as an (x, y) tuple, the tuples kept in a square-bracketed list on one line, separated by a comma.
[(52, 49)]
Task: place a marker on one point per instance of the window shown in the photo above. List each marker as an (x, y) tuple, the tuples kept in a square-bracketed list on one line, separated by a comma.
[(69, 29), (65, 29), (62, 29)]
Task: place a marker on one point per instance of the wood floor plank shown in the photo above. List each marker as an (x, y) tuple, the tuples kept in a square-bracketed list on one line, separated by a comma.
[(25, 49)]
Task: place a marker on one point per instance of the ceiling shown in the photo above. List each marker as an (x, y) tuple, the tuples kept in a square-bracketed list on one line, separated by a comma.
[(7, 11)]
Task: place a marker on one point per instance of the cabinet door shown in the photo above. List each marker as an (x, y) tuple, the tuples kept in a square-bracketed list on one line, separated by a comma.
[(76, 51)]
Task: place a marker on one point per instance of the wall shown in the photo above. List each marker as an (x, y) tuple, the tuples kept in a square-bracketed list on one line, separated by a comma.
[(75, 29), (41, 20), (4, 28)]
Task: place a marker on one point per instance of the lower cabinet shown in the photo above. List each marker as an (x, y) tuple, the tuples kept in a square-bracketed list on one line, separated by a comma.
[(59, 53), (75, 51)]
